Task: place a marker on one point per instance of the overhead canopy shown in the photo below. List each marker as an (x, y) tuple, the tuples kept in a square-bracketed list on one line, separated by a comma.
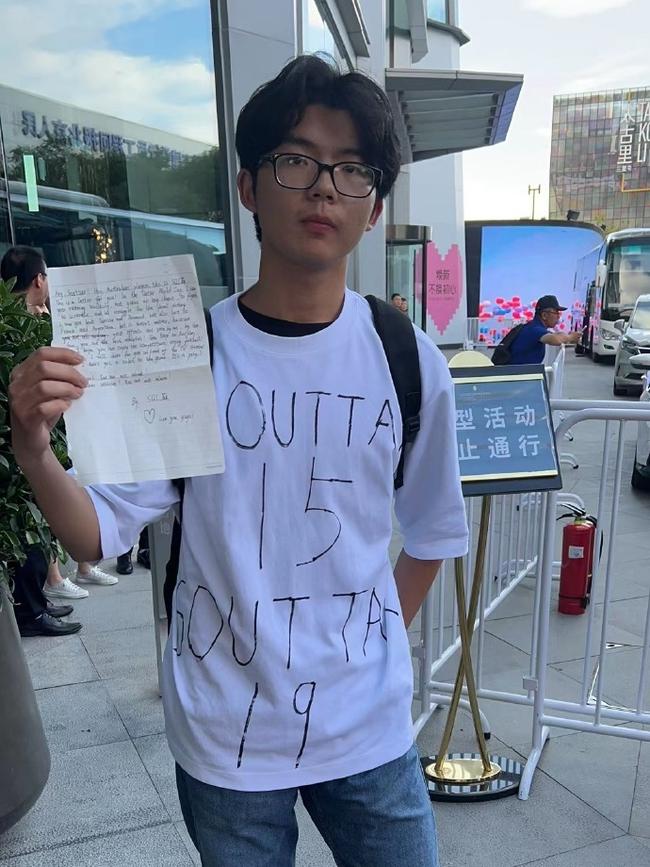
[(446, 111)]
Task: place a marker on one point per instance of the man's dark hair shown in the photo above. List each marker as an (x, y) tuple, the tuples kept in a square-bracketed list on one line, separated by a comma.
[(23, 263), (395, 295), (279, 105)]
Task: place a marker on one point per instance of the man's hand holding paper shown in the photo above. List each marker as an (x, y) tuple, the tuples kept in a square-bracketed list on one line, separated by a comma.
[(149, 408)]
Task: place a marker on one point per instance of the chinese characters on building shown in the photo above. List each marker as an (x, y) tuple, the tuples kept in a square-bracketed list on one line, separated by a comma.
[(443, 284), (90, 139), (631, 143)]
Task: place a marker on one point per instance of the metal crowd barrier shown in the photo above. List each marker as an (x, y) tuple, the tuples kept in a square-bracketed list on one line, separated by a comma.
[(522, 543), (472, 333), (587, 712)]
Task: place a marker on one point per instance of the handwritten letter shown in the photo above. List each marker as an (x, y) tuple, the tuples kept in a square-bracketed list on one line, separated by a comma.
[(149, 411)]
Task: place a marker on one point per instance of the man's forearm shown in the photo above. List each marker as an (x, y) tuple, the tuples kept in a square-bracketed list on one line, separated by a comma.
[(413, 578), (67, 507)]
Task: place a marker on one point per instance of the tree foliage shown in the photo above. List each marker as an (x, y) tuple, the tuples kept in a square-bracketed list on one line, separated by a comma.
[(21, 523), (139, 182)]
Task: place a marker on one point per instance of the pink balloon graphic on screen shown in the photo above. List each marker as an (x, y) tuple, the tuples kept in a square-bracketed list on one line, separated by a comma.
[(444, 285)]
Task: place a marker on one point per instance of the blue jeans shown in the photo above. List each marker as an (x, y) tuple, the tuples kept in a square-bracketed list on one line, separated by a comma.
[(379, 818)]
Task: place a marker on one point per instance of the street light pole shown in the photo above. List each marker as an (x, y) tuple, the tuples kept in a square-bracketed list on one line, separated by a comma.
[(534, 191)]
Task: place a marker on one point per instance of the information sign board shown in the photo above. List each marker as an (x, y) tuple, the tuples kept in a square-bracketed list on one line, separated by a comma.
[(504, 430)]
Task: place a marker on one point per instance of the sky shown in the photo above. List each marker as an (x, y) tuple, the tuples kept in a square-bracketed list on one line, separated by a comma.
[(560, 46)]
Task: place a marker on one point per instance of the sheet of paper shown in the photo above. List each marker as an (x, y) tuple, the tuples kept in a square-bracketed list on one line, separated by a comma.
[(150, 409)]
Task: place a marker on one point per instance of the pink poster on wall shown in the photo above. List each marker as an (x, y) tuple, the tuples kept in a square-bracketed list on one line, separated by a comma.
[(444, 284)]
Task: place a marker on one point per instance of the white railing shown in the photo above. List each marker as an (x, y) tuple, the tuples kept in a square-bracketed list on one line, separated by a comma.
[(589, 710)]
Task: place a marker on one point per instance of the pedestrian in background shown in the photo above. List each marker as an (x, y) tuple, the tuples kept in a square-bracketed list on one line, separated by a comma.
[(529, 346)]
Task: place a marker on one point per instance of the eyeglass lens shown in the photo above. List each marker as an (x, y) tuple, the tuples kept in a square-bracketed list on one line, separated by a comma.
[(300, 172)]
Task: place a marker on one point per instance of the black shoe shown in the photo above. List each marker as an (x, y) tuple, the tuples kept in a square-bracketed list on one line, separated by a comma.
[(45, 624), (59, 611), (124, 564), (143, 558)]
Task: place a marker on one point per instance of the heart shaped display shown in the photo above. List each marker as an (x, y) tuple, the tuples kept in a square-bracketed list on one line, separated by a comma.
[(444, 285)]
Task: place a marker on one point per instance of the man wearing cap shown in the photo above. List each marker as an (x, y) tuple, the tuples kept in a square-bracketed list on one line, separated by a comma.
[(530, 344)]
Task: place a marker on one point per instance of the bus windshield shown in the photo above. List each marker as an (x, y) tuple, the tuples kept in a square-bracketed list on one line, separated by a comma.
[(628, 274)]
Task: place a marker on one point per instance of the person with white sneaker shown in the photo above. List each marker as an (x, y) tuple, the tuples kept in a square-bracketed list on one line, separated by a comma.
[(87, 574), (58, 586)]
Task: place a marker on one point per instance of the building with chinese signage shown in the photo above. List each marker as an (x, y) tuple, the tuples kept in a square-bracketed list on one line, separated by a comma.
[(30, 120), (600, 158), (120, 145)]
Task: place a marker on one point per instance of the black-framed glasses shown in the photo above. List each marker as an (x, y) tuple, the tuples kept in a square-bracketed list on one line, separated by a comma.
[(300, 172)]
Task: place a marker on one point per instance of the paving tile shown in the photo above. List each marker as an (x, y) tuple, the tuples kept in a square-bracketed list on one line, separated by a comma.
[(311, 848), (599, 769), (640, 819), (159, 762), (157, 846), (107, 609), (79, 715), (138, 702), (58, 661), (620, 676), (567, 635), (122, 652), (509, 832), (181, 830), (622, 851), (96, 789)]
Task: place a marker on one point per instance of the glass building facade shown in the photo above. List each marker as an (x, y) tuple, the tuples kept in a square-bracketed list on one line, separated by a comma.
[(108, 136), (600, 158), (438, 10)]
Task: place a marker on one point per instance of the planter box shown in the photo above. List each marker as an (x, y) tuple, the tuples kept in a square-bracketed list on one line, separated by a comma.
[(24, 753)]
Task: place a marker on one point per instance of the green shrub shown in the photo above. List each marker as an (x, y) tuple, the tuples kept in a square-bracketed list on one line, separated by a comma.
[(21, 522)]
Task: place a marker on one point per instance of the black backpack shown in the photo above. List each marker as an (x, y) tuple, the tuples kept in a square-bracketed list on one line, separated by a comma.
[(502, 353), (400, 345)]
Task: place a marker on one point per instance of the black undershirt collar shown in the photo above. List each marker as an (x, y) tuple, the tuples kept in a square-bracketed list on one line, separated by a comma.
[(279, 327)]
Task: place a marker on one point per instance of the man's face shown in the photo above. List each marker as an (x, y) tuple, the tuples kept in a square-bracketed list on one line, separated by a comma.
[(315, 228), (397, 301), (550, 317), (39, 290)]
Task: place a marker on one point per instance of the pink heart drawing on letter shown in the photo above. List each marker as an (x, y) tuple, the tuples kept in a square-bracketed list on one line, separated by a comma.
[(444, 284)]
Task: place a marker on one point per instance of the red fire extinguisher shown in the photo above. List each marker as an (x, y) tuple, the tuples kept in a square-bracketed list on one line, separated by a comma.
[(576, 571)]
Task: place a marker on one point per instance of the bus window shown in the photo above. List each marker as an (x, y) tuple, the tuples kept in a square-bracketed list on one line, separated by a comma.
[(629, 275)]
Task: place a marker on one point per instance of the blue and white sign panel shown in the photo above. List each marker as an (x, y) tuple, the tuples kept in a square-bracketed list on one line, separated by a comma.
[(504, 431)]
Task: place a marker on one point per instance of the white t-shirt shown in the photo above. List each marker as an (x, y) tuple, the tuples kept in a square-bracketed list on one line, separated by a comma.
[(288, 661)]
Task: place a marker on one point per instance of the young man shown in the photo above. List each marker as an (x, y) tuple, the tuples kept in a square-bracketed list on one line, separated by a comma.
[(529, 346), (288, 667)]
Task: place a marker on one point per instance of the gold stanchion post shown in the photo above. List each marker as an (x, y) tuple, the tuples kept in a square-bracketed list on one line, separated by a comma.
[(464, 771)]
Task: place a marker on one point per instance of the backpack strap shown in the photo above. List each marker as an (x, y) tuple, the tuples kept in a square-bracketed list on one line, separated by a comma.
[(400, 345), (208, 328)]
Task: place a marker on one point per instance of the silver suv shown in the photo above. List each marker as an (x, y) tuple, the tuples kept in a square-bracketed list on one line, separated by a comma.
[(641, 468), (635, 339)]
